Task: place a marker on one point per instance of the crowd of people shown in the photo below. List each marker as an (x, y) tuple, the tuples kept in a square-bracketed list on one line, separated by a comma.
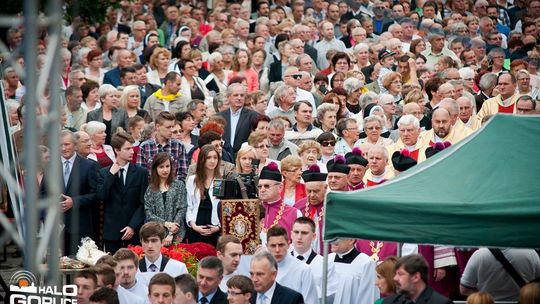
[(164, 97)]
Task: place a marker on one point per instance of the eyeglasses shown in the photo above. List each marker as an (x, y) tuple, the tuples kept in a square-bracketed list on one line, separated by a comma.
[(373, 128), (266, 186), (328, 143), (263, 146), (190, 67), (234, 293)]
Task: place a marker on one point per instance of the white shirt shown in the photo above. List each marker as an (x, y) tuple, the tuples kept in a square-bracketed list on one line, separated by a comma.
[(300, 95), (235, 117), (173, 268), (316, 267), (296, 275), (126, 297), (139, 289), (269, 294), (356, 281), (223, 285)]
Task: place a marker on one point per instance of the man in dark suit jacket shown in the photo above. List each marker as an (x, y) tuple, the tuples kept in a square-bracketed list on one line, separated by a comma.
[(238, 119), (209, 275), (263, 271), (121, 187), (123, 59), (411, 277), (78, 193)]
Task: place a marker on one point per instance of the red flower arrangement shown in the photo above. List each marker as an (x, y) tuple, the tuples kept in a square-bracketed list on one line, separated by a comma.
[(189, 254)]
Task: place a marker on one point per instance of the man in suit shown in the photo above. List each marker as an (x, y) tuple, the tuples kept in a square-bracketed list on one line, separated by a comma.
[(238, 118), (411, 282), (78, 195), (263, 270), (146, 89), (121, 187), (209, 275), (123, 59)]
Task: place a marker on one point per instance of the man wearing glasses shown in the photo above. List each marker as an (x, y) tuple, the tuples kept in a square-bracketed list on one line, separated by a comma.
[(276, 211), (291, 78), (525, 106)]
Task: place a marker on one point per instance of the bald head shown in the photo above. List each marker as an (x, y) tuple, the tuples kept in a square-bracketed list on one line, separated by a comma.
[(411, 108), (446, 90)]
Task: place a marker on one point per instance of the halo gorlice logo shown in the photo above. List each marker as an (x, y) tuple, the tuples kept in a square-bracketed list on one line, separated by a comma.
[(24, 289)]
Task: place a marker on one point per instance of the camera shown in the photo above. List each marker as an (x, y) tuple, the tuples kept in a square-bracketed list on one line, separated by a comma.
[(238, 186)]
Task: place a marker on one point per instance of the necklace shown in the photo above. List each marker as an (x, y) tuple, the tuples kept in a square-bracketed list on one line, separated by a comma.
[(276, 220), (375, 251), (319, 216)]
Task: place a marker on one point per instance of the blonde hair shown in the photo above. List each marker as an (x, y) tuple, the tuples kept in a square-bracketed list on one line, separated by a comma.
[(389, 78), (309, 144), (125, 92), (256, 137), (291, 161), (243, 151), (480, 298), (155, 54)]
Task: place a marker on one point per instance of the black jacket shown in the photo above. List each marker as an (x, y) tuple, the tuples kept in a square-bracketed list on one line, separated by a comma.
[(428, 296), (123, 204), (283, 295)]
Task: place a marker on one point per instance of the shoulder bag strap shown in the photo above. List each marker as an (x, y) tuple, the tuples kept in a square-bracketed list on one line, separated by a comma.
[(507, 266)]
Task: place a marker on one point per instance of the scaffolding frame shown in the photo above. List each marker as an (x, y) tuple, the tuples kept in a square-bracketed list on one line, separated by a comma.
[(27, 202)]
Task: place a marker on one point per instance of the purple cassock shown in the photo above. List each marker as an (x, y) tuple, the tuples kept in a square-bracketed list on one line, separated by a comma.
[(377, 250), (279, 213), (316, 213)]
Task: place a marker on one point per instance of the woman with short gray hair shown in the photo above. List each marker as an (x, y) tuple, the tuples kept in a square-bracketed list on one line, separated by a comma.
[(100, 152), (327, 117), (353, 86)]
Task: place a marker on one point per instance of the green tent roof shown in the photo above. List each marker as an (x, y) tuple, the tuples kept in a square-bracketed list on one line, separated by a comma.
[(483, 191)]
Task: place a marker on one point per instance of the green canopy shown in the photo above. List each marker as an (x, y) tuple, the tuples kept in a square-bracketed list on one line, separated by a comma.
[(483, 191)]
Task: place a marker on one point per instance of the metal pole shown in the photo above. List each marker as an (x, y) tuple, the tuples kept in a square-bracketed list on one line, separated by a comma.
[(30, 128), (399, 249), (55, 33), (325, 272)]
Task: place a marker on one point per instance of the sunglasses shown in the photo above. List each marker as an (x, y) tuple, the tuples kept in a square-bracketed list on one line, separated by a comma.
[(328, 143), (296, 76)]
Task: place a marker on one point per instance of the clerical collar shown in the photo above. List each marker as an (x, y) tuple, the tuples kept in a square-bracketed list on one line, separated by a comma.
[(506, 102), (342, 255), (437, 138), (378, 178), (272, 202), (305, 254), (410, 148)]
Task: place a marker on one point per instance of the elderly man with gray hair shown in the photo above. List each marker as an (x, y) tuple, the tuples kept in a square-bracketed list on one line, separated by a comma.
[(409, 137), (486, 85), (285, 98), (437, 49), (279, 146)]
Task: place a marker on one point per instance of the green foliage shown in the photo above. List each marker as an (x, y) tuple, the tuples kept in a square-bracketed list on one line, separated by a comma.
[(89, 10)]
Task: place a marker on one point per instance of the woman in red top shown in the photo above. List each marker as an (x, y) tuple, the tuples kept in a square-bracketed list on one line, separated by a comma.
[(100, 152), (293, 190)]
